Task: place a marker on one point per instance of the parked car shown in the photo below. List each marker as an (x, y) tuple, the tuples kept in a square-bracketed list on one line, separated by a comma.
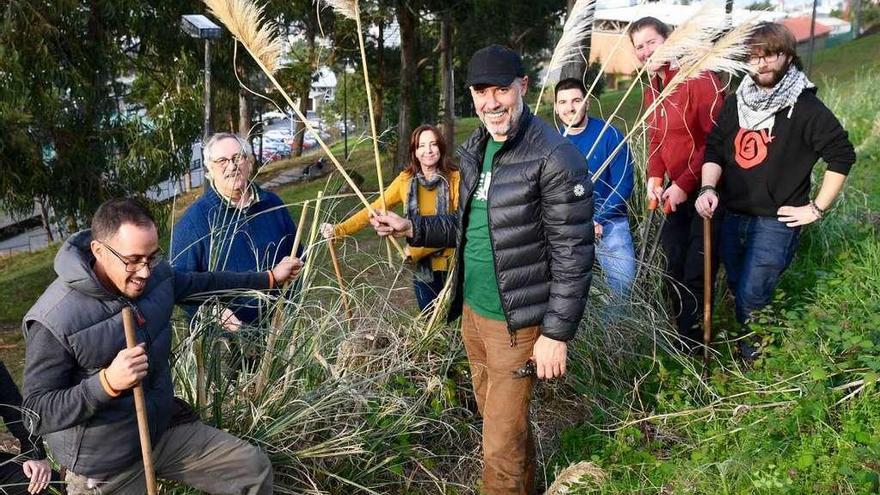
[(269, 117)]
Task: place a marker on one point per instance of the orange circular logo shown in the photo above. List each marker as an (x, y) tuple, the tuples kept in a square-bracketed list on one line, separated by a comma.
[(750, 147)]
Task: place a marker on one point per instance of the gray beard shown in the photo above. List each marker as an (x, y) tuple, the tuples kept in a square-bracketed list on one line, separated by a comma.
[(514, 119)]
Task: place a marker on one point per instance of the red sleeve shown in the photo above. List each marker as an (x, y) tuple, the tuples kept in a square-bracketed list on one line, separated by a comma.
[(656, 166), (706, 96)]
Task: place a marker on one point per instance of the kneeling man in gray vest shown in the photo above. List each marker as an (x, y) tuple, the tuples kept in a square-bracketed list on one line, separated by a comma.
[(79, 375)]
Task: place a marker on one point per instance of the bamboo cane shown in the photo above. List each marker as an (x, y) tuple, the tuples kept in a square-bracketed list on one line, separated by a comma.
[(140, 408), (339, 280), (707, 286), (277, 318), (299, 229), (357, 20), (313, 235)]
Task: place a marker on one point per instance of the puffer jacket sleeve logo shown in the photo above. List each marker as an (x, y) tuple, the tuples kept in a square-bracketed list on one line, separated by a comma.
[(579, 190)]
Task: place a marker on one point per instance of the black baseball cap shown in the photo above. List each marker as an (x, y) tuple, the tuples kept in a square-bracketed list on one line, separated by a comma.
[(494, 65)]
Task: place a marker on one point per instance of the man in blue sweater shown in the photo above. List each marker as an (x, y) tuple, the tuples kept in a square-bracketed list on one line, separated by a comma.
[(612, 188), (234, 226)]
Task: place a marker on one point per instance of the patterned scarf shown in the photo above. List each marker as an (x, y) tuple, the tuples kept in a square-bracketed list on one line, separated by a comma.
[(441, 184), (438, 182), (757, 106)]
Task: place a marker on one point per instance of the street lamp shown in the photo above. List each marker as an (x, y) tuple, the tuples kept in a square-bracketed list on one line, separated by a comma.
[(200, 27)]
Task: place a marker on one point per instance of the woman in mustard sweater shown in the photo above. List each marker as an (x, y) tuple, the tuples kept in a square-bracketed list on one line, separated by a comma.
[(428, 186)]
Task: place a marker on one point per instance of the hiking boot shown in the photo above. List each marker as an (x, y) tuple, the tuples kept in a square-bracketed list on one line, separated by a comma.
[(748, 351)]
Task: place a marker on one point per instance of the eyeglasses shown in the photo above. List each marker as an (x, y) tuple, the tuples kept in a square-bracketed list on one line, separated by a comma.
[(767, 59), (134, 266), (236, 159)]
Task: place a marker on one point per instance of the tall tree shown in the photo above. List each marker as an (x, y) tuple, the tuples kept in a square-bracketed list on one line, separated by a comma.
[(447, 87), (526, 27), (408, 22), (86, 105)]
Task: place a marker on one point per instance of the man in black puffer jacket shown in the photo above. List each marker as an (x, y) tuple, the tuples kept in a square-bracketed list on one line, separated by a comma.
[(524, 232)]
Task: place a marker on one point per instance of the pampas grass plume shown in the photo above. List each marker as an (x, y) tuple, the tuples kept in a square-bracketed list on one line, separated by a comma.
[(245, 21), (345, 8)]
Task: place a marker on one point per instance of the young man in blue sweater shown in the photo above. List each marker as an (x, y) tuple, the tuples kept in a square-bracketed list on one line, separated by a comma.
[(613, 187)]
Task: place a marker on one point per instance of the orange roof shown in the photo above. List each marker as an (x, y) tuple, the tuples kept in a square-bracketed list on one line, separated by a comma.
[(800, 28)]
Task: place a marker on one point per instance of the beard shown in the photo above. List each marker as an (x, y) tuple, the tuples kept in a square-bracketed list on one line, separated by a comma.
[(770, 78), (578, 122), (508, 128)]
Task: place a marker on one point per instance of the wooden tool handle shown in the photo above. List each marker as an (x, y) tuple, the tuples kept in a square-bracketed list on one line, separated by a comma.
[(140, 407), (707, 285), (339, 279)]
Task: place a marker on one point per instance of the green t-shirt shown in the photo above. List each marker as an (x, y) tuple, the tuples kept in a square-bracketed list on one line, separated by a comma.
[(480, 283)]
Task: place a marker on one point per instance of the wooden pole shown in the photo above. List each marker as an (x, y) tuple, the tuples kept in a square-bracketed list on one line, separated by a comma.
[(339, 280), (140, 408), (707, 286)]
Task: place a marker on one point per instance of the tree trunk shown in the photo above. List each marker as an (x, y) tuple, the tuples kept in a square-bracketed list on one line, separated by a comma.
[(407, 22), (244, 107), (447, 86), (299, 130), (44, 217), (304, 90), (72, 225)]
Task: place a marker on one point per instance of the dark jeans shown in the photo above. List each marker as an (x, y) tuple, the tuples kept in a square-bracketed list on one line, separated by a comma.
[(427, 292), (682, 242), (755, 250), (13, 480)]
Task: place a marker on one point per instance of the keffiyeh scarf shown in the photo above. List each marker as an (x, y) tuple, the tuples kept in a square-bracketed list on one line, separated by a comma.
[(757, 107)]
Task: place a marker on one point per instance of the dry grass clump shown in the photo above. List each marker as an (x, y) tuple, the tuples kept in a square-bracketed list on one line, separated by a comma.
[(580, 474)]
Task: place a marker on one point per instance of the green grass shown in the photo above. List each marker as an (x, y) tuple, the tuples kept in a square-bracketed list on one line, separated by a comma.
[(846, 61), (23, 277)]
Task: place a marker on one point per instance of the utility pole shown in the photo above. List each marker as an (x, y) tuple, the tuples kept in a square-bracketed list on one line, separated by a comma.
[(812, 39), (200, 27)]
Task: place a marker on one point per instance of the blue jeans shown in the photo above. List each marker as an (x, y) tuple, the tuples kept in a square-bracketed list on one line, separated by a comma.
[(616, 255), (755, 252), (427, 292)]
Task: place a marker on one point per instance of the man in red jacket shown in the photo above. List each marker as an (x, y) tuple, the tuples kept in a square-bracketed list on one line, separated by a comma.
[(678, 127)]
